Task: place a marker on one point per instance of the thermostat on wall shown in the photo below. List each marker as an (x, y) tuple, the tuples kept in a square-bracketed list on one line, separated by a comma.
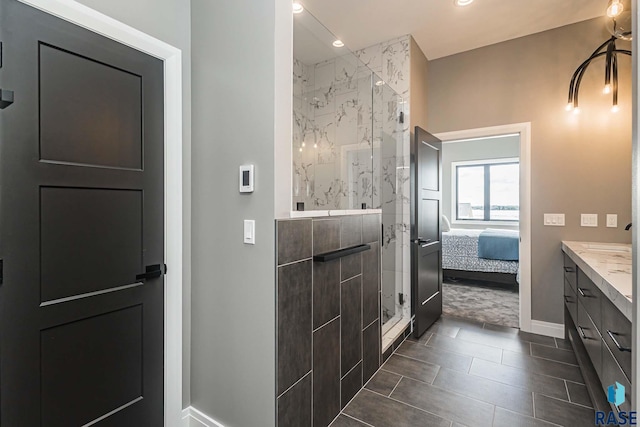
[(246, 179)]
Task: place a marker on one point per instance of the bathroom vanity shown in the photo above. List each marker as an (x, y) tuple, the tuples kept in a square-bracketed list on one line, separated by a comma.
[(597, 300)]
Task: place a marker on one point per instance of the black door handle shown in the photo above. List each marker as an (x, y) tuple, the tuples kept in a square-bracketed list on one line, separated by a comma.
[(421, 241), (6, 98), (152, 271)]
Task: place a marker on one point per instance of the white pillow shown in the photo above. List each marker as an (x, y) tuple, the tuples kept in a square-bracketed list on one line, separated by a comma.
[(446, 225)]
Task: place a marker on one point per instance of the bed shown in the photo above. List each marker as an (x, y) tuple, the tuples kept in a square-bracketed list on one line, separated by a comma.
[(462, 258)]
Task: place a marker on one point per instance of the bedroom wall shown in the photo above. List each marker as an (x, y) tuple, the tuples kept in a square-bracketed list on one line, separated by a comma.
[(482, 149), (580, 163)]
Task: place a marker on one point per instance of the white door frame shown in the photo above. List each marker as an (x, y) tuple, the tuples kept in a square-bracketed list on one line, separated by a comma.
[(524, 129), (92, 20)]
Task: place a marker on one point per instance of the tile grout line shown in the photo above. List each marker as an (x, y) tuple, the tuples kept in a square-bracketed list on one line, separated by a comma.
[(396, 386), (323, 325), (354, 418), (294, 384), (493, 416), (566, 387), (519, 386), (351, 370), (447, 390), (553, 360), (410, 378), (533, 398), (551, 423), (295, 262), (409, 405), (565, 401)]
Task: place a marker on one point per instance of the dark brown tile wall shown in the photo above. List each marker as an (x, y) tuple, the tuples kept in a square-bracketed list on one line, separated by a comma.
[(328, 316)]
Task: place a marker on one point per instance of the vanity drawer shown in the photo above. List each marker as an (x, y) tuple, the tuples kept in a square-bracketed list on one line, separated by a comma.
[(611, 372), (591, 298), (571, 300), (570, 271), (590, 338), (617, 327)]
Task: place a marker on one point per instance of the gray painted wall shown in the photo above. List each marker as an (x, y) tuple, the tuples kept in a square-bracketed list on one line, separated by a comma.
[(169, 21), (482, 149), (233, 284), (580, 163)]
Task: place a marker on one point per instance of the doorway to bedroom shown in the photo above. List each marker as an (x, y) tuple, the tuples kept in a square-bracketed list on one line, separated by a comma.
[(481, 229)]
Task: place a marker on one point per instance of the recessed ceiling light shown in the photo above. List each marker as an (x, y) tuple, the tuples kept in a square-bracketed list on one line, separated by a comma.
[(338, 43), (379, 83), (297, 8), (462, 2)]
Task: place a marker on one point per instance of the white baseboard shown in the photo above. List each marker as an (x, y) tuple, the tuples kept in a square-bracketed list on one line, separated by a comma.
[(191, 417), (549, 329)]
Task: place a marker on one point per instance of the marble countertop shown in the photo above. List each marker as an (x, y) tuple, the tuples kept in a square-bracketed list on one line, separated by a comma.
[(609, 266)]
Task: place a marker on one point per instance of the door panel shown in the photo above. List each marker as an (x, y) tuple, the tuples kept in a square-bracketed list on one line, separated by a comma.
[(429, 224), (90, 113), (426, 246), (72, 220), (82, 213), (430, 176), (101, 356)]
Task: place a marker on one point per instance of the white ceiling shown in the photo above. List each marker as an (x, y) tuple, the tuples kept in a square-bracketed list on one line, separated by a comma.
[(440, 28)]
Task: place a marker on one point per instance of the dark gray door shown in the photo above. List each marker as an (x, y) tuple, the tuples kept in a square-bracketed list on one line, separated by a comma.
[(426, 246), (81, 215)]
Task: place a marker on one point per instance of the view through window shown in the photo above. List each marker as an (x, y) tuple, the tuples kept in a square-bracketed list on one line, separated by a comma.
[(488, 190)]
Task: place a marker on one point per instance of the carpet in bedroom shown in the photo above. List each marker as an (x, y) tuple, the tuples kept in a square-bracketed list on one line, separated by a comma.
[(482, 301)]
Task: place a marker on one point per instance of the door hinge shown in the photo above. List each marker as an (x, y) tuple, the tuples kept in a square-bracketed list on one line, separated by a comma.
[(1, 271), (1, 55), (401, 298), (152, 271), (401, 118)]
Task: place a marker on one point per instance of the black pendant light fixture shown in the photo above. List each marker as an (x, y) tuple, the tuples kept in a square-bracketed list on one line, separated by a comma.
[(620, 28)]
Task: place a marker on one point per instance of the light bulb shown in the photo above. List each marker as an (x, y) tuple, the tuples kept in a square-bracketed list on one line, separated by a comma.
[(607, 89), (615, 8), (338, 43), (569, 106), (575, 111), (315, 145), (297, 8), (615, 109), (463, 2), (304, 144), (301, 149)]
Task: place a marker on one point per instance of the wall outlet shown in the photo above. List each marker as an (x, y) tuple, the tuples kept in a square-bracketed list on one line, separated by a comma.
[(589, 220), (612, 220), (556, 220)]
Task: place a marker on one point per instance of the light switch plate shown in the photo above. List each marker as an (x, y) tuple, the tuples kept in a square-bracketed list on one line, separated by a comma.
[(612, 220), (589, 220), (556, 220), (250, 231)]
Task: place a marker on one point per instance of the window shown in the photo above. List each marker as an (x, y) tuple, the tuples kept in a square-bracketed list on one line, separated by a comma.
[(487, 190)]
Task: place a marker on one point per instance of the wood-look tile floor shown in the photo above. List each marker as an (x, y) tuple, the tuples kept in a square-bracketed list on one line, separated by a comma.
[(463, 373)]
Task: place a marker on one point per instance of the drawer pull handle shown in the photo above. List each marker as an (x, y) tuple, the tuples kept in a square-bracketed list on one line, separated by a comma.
[(582, 293), (582, 334), (615, 341), (569, 269)]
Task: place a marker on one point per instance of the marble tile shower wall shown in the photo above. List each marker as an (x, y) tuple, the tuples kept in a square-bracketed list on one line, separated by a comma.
[(328, 326), (337, 121)]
